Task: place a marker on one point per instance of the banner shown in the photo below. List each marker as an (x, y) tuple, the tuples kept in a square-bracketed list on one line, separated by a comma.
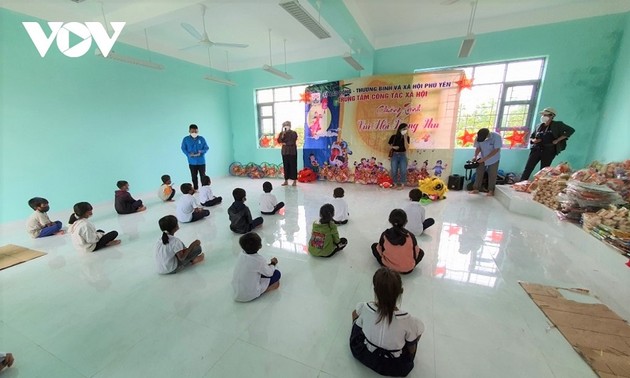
[(348, 123)]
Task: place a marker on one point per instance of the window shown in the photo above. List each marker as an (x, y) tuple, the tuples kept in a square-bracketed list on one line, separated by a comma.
[(276, 105), (502, 98)]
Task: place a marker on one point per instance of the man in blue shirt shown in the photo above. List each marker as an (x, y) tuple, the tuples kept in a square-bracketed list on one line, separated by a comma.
[(487, 154), (195, 147)]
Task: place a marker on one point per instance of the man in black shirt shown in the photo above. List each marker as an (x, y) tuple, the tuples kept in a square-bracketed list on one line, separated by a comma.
[(549, 139)]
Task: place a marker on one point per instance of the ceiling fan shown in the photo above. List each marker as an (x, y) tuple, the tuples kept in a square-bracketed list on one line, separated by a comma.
[(202, 39)]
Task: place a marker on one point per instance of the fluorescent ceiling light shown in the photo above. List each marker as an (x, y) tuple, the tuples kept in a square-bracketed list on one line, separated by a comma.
[(220, 80), (130, 60), (276, 72), (303, 17), (469, 41), (467, 46), (353, 62)]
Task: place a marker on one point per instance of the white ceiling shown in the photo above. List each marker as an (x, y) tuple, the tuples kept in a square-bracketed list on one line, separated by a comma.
[(385, 23)]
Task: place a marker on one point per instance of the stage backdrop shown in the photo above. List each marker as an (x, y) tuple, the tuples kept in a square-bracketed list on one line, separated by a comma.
[(348, 123)]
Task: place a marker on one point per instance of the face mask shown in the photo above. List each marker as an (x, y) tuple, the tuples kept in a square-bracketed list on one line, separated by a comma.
[(287, 128), (544, 119), (404, 132), (194, 135)]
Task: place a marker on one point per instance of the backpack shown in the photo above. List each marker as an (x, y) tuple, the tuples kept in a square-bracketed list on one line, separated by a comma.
[(510, 178), (500, 178)]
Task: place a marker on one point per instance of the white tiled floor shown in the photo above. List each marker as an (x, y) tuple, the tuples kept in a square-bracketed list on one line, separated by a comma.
[(108, 314)]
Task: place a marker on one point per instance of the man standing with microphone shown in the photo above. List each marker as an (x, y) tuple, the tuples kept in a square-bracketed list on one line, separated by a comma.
[(288, 139)]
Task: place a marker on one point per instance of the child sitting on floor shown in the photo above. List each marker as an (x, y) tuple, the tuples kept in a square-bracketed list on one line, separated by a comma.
[(416, 221), (325, 241), (385, 338), (124, 202), (166, 191), (85, 236), (171, 255), (38, 225), (206, 197), (241, 220), (253, 276), (341, 206), (269, 204), (397, 248), (6, 360), (188, 208)]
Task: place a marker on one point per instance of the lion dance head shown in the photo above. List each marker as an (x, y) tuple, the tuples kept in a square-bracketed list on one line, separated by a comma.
[(433, 187)]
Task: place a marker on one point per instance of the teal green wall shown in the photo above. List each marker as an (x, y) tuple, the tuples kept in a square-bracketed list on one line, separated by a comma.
[(612, 133), (243, 114), (72, 127), (580, 56)]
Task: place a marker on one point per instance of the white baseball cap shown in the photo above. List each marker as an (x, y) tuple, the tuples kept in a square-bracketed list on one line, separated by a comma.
[(549, 110)]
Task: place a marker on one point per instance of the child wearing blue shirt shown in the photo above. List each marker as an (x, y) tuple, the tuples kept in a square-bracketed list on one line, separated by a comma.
[(487, 154)]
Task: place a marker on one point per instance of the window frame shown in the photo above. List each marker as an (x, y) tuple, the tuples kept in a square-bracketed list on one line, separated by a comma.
[(531, 102), (260, 117), (502, 102)]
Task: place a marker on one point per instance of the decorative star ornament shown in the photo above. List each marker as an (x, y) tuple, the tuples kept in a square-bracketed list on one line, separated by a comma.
[(305, 97), (464, 83), (467, 138), (517, 138), (265, 141)]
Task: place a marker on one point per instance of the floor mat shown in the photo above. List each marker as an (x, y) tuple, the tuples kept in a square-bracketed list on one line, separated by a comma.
[(11, 255), (599, 335)]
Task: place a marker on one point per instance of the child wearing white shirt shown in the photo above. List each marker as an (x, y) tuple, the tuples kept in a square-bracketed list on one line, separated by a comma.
[(416, 217), (38, 224), (188, 208), (269, 204), (206, 197), (341, 206), (85, 236), (253, 276), (383, 337), (171, 255)]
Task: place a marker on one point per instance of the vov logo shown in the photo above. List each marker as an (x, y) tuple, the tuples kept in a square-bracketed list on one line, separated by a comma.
[(61, 32)]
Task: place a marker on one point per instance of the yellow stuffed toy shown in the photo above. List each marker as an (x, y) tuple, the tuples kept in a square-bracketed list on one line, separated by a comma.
[(433, 187)]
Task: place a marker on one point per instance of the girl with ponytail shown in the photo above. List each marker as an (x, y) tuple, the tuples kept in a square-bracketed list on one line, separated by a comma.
[(383, 337), (85, 236), (398, 248), (171, 254), (325, 240)]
